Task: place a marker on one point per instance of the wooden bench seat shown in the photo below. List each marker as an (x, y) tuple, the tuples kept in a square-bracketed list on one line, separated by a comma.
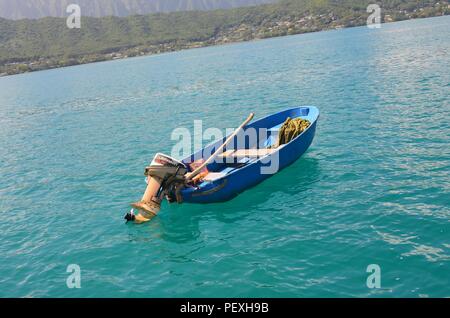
[(246, 153)]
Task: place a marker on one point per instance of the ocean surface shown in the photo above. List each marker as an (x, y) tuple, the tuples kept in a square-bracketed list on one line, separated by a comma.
[(374, 187)]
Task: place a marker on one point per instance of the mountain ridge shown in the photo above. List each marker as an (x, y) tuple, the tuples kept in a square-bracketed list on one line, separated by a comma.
[(34, 9)]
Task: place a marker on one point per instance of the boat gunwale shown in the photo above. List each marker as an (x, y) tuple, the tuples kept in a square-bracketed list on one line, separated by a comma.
[(260, 158)]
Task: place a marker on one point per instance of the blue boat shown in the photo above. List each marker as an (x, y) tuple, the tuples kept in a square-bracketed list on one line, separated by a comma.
[(244, 166)]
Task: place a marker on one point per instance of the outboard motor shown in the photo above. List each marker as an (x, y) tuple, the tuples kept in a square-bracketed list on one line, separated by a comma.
[(163, 175)]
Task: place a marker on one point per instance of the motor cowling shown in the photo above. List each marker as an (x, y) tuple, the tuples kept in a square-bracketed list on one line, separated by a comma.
[(164, 167)]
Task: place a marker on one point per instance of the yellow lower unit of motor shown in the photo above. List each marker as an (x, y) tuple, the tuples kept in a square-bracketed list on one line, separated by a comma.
[(147, 209)]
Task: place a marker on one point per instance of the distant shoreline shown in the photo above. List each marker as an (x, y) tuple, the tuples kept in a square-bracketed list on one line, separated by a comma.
[(138, 51)]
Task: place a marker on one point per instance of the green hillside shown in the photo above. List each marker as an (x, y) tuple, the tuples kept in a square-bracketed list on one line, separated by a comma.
[(27, 45)]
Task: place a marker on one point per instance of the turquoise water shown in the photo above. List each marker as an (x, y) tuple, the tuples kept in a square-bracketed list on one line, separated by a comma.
[(374, 188)]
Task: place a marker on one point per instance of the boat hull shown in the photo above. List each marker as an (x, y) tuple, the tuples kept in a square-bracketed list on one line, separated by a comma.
[(250, 175)]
